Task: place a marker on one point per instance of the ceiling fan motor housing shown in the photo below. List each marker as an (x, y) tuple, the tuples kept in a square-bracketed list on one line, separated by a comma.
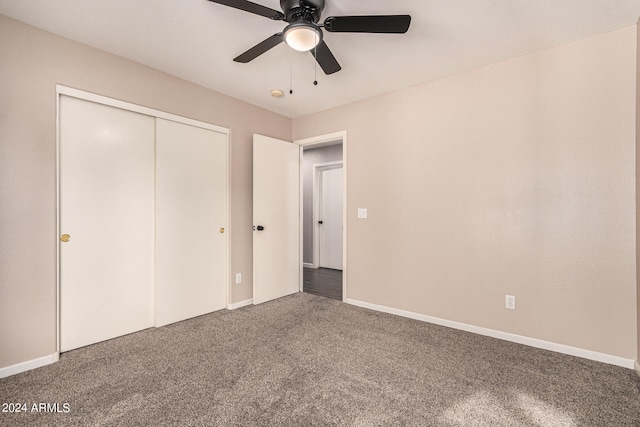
[(302, 10)]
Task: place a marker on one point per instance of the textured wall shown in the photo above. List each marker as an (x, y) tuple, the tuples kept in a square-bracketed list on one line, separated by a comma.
[(515, 178), (33, 62)]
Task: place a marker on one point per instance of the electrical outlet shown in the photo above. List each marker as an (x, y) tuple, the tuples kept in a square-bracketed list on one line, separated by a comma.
[(510, 302), (238, 278)]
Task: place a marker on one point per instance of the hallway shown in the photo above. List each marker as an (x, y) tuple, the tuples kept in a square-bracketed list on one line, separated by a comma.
[(324, 282)]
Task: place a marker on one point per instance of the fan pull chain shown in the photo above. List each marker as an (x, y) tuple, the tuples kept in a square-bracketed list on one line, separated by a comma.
[(315, 63), (291, 72)]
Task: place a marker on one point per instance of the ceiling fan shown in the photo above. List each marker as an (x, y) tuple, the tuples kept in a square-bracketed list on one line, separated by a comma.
[(305, 34)]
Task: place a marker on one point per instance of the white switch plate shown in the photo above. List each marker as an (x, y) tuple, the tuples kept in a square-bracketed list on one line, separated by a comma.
[(238, 278), (362, 213)]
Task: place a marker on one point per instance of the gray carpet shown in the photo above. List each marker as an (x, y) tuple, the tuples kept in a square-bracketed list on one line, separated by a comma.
[(305, 360)]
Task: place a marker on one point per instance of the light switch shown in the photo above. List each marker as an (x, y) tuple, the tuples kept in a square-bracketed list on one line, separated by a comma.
[(362, 213)]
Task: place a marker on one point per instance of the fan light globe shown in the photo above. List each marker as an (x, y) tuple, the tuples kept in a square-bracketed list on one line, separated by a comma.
[(302, 37)]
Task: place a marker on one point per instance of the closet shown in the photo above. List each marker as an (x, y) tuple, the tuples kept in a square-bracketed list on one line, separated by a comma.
[(142, 212)]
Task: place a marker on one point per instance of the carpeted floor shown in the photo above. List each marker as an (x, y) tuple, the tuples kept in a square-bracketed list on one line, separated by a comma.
[(305, 360)]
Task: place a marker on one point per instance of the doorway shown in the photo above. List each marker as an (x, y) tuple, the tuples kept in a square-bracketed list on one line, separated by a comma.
[(278, 210), (323, 207)]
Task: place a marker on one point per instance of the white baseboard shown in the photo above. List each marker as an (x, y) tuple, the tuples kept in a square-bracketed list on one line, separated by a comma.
[(637, 368), (28, 365), (532, 342), (240, 304), (308, 265)]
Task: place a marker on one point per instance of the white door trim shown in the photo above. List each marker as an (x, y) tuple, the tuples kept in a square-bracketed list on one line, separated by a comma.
[(62, 90), (318, 168), (328, 139), (100, 99)]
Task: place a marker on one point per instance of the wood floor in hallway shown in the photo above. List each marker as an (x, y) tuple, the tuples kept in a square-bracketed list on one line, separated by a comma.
[(324, 282)]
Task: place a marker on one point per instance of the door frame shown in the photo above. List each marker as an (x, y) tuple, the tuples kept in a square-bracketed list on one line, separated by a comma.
[(317, 142), (317, 180), (62, 90)]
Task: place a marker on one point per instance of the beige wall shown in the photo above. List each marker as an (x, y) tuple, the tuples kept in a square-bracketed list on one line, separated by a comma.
[(32, 62), (516, 178)]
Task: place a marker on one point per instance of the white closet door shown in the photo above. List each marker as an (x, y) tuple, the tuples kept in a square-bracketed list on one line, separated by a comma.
[(190, 221), (106, 207)]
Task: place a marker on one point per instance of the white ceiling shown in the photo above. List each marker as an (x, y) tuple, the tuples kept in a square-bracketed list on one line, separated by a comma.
[(197, 40)]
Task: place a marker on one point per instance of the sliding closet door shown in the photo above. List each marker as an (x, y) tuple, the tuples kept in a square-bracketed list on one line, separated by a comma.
[(106, 222), (191, 222)]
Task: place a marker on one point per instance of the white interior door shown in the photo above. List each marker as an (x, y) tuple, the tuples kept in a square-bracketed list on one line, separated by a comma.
[(276, 217), (106, 207), (330, 230), (191, 217)]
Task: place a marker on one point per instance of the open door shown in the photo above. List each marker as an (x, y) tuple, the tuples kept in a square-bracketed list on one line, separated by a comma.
[(276, 218)]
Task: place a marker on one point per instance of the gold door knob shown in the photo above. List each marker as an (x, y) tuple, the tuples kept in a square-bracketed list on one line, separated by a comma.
[(221, 229), (65, 238)]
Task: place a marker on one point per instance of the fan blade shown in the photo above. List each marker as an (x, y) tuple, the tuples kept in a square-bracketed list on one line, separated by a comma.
[(396, 24), (260, 48), (251, 7), (325, 58)]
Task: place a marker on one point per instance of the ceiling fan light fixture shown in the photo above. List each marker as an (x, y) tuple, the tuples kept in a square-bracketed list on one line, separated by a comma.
[(302, 36)]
